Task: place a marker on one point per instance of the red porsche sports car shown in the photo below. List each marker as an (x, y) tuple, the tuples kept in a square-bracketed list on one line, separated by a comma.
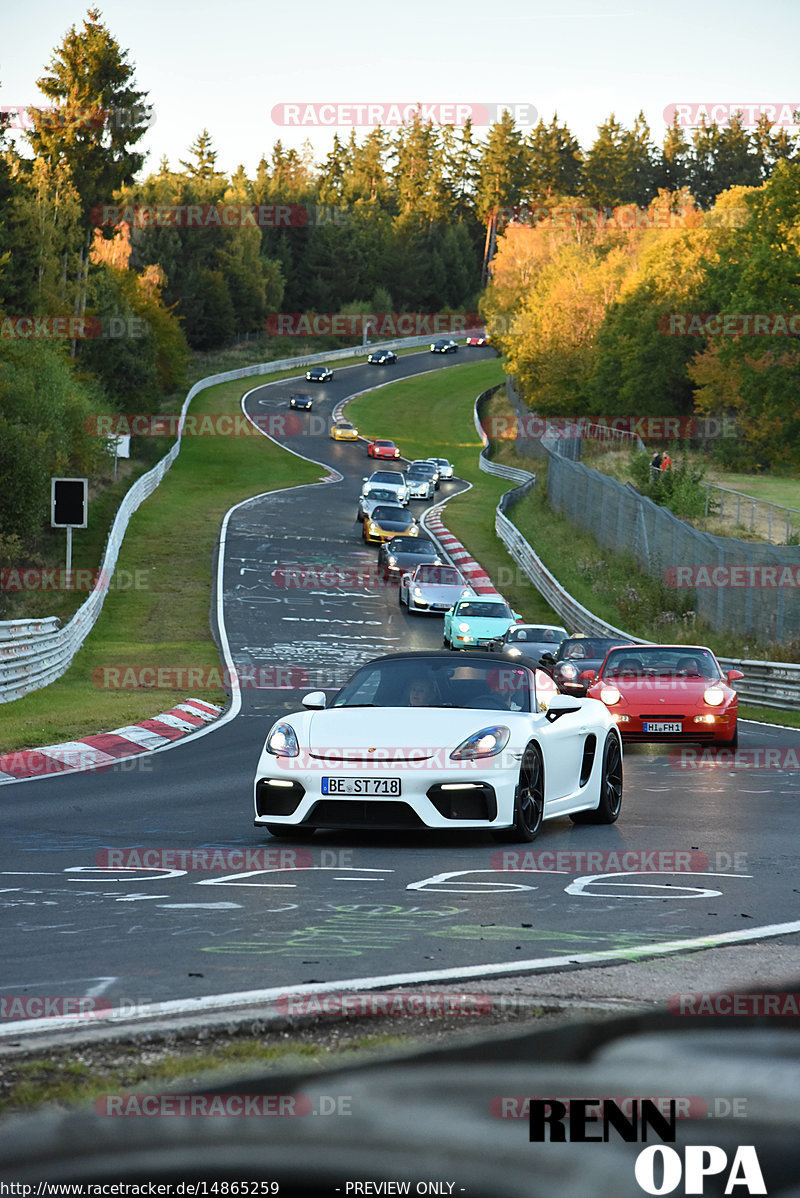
[(667, 692), (383, 449)]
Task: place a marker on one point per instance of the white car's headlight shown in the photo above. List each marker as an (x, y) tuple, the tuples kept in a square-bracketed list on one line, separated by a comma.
[(465, 594), (463, 628), (610, 695), (282, 741), (486, 743), (417, 591), (714, 696)]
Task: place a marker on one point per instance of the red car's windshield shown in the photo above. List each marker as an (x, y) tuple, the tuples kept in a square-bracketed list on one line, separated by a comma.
[(677, 662)]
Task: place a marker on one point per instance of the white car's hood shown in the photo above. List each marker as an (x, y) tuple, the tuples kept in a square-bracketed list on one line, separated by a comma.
[(416, 731)]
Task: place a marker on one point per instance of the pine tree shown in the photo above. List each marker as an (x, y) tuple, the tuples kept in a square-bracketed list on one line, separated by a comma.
[(674, 166), (556, 161), (504, 174), (98, 115)]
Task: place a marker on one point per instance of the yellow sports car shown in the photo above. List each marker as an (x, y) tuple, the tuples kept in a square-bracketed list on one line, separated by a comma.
[(388, 521), (343, 430)]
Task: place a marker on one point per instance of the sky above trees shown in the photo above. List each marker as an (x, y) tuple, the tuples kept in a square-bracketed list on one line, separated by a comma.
[(205, 66)]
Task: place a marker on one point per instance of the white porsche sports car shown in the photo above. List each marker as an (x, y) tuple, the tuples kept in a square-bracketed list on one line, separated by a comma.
[(433, 740)]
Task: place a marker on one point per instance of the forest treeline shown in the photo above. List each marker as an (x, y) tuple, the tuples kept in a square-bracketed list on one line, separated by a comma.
[(684, 313), (396, 221)]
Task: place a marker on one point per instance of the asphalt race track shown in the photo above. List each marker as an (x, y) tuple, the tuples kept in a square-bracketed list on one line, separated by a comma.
[(277, 913)]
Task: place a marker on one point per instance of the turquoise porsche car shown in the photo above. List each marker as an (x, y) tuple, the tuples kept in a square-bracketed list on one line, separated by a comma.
[(475, 623)]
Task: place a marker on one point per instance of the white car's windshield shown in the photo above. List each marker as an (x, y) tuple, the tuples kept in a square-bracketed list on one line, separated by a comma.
[(437, 682)]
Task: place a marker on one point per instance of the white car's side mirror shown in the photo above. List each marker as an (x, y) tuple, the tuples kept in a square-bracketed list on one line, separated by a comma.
[(315, 700), (559, 705)]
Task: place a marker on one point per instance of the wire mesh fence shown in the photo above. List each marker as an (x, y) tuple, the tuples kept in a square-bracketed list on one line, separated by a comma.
[(753, 587)]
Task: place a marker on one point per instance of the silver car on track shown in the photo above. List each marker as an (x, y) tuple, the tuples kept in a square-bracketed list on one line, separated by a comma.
[(433, 588)]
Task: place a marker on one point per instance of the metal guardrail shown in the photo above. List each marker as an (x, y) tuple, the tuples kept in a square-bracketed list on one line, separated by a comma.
[(773, 684), (33, 653), (512, 473), (764, 508)]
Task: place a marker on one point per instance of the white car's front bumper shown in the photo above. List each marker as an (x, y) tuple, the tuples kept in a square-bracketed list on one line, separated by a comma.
[(439, 793)]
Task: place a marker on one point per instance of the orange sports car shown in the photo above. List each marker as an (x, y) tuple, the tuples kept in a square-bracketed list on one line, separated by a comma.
[(667, 692)]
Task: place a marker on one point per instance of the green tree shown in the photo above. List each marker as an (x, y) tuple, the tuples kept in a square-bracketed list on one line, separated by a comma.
[(722, 158), (208, 313), (620, 167), (47, 217), (44, 411), (209, 183), (674, 168), (97, 116), (504, 174), (556, 161)]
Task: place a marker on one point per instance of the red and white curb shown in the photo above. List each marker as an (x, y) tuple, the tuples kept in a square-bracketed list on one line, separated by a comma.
[(104, 748), (474, 573)]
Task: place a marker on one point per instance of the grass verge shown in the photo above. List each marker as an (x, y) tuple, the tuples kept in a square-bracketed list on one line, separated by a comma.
[(164, 622), (78, 1076)]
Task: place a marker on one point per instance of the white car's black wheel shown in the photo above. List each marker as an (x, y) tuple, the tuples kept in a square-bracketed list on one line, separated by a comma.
[(528, 800), (608, 809)]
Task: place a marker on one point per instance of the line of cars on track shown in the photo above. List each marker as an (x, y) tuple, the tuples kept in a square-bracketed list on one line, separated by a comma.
[(471, 737)]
